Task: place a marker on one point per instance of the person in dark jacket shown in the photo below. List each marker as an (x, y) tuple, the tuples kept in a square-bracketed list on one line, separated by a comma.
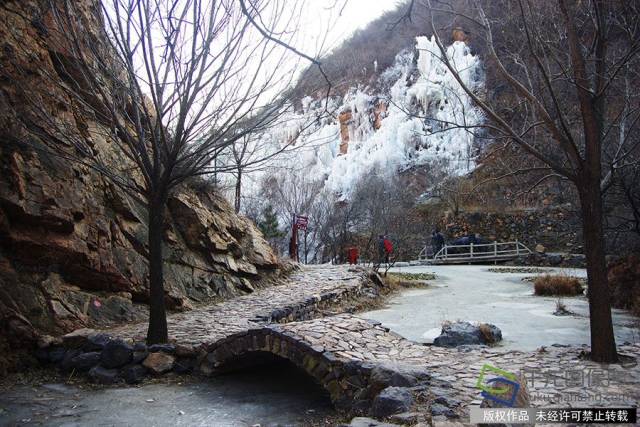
[(380, 249), (437, 241)]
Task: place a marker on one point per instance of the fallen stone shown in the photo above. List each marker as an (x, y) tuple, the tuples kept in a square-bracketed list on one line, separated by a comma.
[(85, 361), (77, 338), (407, 418), (56, 354), (184, 365), (116, 353), (383, 376), (447, 401), (66, 364), (139, 346), (390, 401), (139, 356), (464, 333), (369, 422), (185, 351), (46, 341), (159, 363), (134, 374), (166, 348), (439, 409), (96, 342), (102, 375)]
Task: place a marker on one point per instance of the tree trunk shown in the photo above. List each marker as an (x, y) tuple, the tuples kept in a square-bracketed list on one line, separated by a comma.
[(603, 345), (238, 190), (157, 332)]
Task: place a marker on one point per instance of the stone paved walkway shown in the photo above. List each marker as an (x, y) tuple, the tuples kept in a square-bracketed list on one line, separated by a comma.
[(555, 377), (300, 296)]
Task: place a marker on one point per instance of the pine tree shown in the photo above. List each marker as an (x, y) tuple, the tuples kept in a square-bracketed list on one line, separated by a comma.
[(269, 225)]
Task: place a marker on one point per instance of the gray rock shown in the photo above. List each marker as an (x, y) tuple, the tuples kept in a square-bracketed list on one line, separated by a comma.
[(134, 374), (368, 422), (439, 409), (447, 401), (139, 356), (464, 333), (392, 400), (184, 365), (407, 418), (96, 342), (66, 364), (165, 348), (139, 346), (116, 353), (85, 361), (383, 376), (159, 363), (554, 260), (103, 375), (56, 354)]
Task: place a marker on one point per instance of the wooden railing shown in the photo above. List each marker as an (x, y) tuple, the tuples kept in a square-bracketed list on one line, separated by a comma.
[(476, 252)]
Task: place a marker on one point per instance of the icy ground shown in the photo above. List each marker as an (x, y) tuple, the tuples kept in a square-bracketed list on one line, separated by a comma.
[(474, 293)]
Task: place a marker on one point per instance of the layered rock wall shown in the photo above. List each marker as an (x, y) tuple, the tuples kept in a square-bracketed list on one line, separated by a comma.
[(73, 245)]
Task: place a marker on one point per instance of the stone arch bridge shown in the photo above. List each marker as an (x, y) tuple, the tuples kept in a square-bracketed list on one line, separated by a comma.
[(352, 358)]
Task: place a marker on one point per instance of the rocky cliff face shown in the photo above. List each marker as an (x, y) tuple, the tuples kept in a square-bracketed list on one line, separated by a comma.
[(72, 245)]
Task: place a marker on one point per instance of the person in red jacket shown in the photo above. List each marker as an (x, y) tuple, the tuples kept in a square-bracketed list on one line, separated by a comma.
[(388, 248), (385, 247)]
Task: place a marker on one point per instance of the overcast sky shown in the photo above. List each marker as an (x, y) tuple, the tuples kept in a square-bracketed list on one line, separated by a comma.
[(338, 19)]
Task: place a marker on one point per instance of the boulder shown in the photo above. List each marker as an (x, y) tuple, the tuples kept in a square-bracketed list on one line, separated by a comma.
[(139, 356), (383, 376), (439, 409), (77, 338), (369, 422), (102, 375), (464, 333), (84, 361), (139, 346), (165, 348), (185, 351), (159, 363), (69, 355), (134, 374), (390, 401), (96, 342), (116, 353), (56, 354), (184, 365), (407, 418)]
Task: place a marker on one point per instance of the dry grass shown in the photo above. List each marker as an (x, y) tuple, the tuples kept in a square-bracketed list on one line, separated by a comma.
[(486, 333), (557, 285), (407, 280)]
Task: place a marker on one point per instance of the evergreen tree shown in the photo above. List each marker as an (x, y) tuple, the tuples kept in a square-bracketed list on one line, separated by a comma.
[(269, 225)]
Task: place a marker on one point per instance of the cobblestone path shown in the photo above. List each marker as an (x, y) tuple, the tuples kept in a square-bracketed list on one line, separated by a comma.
[(555, 376), (302, 295)]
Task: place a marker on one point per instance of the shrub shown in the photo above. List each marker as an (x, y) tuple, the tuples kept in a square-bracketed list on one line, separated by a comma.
[(558, 285)]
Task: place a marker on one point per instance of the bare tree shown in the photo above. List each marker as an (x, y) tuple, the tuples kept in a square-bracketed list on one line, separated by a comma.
[(173, 83), (561, 66)]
